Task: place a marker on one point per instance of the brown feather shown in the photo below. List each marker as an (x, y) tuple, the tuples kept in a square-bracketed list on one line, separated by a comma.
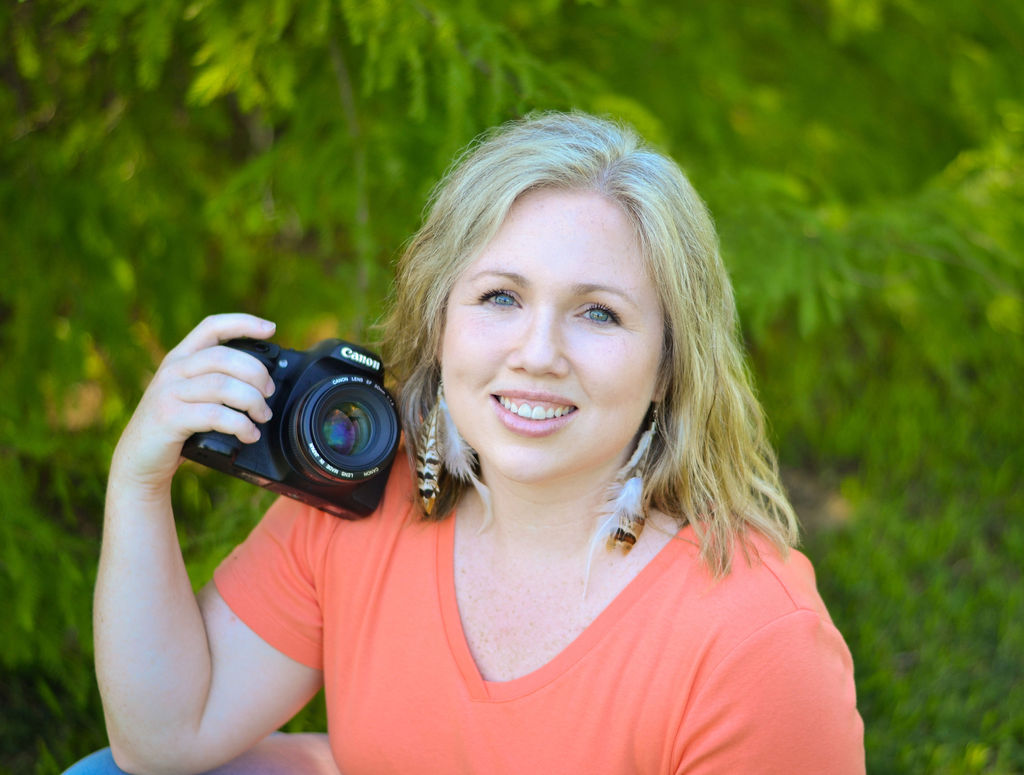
[(428, 462)]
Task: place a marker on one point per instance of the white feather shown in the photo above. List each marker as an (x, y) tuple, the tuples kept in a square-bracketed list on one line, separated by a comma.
[(642, 445), (625, 507), (459, 458), (485, 496), (457, 455), (625, 502), (629, 507), (600, 539)]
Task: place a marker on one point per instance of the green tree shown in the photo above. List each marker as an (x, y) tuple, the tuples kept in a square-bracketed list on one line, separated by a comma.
[(864, 160)]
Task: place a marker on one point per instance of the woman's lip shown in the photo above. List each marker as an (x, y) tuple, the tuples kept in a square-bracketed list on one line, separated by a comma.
[(526, 426), (534, 396)]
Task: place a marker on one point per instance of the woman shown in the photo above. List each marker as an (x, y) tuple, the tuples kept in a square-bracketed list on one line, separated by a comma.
[(585, 567)]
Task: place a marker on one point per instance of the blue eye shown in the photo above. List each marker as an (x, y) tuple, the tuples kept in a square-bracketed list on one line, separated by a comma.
[(600, 314), (501, 298)]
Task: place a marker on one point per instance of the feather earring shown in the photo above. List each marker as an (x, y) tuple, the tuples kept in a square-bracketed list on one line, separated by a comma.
[(428, 461), (627, 506), (460, 458), (442, 450)]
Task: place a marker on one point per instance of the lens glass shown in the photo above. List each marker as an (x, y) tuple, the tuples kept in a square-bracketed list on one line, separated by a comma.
[(346, 428)]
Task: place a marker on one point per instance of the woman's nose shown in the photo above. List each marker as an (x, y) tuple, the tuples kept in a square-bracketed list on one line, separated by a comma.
[(540, 348)]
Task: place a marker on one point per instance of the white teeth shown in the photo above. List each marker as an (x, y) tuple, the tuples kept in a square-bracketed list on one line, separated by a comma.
[(534, 412)]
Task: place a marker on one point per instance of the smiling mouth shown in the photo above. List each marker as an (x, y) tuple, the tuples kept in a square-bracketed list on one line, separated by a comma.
[(534, 411)]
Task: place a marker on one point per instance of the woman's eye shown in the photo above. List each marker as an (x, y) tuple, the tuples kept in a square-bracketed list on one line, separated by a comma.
[(501, 298), (600, 314)]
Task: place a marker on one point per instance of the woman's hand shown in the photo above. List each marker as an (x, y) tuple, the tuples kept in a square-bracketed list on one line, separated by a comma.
[(185, 684), (200, 386)]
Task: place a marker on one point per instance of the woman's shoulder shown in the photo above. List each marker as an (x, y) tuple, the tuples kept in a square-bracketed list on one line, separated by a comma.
[(786, 578), (290, 521), (763, 586), (766, 640)]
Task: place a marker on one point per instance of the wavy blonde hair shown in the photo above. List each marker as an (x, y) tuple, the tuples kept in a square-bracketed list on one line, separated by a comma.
[(711, 464)]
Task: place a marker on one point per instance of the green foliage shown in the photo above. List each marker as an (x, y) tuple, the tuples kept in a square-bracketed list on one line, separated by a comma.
[(939, 655), (864, 160)]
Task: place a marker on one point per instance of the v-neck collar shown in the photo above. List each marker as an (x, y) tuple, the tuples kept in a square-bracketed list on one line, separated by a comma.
[(504, 691)]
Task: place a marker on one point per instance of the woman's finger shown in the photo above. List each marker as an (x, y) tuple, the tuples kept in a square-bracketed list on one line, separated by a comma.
[(227, 361), (216, 329), (199, 418), (217, 388)]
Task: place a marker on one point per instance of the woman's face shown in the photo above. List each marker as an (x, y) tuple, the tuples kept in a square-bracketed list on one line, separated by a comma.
[(552, 343)]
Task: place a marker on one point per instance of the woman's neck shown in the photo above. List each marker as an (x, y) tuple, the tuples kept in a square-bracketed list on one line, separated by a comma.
[(558, 542), (559, 517)]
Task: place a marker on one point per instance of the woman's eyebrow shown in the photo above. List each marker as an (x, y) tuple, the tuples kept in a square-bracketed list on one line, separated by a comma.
[(512, 277), (583, 289)]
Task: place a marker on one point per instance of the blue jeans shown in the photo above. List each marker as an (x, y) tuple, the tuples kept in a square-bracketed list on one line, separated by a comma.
[(279, 754)]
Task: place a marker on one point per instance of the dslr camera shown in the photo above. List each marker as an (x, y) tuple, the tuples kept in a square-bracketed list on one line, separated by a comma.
[(333, 434)]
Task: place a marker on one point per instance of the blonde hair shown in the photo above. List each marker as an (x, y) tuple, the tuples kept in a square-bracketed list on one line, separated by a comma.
[(711, 464)]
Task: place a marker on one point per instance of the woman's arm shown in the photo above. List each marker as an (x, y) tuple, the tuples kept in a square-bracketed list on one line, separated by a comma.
[(185, 684)]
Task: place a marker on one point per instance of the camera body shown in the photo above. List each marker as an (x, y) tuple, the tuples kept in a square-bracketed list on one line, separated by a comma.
[(332, 437)]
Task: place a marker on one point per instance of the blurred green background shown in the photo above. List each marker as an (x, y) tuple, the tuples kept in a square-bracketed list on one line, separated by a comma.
[(864, 159)]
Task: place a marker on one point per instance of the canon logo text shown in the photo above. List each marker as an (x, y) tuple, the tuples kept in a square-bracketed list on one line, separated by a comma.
[(366, 360)]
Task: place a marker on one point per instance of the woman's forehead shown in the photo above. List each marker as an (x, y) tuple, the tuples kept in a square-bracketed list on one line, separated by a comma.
[(574, 236)]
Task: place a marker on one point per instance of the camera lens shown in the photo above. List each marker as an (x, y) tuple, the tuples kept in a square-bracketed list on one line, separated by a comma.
[(346, 428), (343, 429)]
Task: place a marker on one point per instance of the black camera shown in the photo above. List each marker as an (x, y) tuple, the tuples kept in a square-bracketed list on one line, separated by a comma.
[(333, 434)]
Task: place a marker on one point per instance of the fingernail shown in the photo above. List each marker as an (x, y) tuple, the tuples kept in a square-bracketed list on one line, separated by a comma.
[(269, 388)]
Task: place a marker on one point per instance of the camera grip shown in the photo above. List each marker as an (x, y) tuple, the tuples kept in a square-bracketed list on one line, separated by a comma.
[(201, 445)]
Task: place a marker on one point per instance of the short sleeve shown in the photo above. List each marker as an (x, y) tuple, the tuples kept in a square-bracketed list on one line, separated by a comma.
[(272, 580), (782, 701)]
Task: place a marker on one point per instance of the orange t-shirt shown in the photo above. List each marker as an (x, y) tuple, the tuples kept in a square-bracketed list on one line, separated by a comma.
[(680, 674)]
